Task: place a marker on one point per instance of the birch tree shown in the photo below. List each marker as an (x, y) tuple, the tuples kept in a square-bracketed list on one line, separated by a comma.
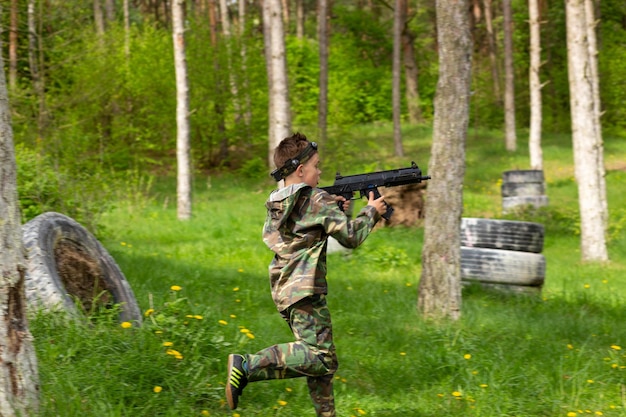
[(19, 387), (183, 189), (586, 135), (440, 284), (276, 62), (398, 24), (534, 140), (509, 78), (493, 49), (322, 38)]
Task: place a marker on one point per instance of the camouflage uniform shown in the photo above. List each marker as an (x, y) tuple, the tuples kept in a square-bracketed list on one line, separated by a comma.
[(299, 221)]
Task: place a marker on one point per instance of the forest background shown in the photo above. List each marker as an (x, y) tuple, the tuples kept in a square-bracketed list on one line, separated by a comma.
[(94, 106)]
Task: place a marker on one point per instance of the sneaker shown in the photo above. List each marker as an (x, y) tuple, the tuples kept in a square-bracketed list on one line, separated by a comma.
[(237, 380)]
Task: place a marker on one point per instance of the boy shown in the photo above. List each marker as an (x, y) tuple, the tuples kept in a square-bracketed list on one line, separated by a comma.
[(300, 217)]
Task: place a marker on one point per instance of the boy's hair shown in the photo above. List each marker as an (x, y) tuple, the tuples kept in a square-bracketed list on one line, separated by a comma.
[(289, 148)]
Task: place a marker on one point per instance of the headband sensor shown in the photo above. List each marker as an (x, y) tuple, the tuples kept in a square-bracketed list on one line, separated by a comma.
[(291, 165)]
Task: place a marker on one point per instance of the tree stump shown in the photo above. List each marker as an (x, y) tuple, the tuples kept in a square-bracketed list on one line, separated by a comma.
[(407, 202)]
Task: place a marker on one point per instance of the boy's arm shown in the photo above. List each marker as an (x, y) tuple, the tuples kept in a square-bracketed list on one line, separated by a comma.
[(349, 233)]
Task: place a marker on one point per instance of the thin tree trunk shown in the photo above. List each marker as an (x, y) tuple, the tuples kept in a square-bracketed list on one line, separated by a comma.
[(509, 78), (182, 112), (109, 10), (322, 38), (98, 17), (410, 70), (534, 140), (440, 284), (13, 39), (37, 76), (300, 19), (126, 30), (398, 24), (19, 395), (493, 50), (247, 113), (595, 78), (280, 117), (588, 156)]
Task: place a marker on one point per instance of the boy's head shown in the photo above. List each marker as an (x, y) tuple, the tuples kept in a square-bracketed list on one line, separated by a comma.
[(290, 153)]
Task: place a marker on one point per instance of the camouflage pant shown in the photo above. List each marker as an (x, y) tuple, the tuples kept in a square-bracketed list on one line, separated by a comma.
[(311, 355)]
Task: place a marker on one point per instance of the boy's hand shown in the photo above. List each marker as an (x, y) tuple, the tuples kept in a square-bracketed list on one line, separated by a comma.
[(342, 203), (378, 204)]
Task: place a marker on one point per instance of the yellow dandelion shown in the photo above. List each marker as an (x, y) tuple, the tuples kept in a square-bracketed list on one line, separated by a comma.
[(232, 316), (176, 288), (288, 389), (590, 381), (483, 385), (168, 344), (236, 289), (457, 394), (173, 352), (615, 347), (123, 243), (599, 413), (237, 300), (408, 284), (402, 353), (157, 389), (240, 270), (189, 316), (587, 286), (244, 330), (572, 414), (250, 335), (570, 346), (148, 312), (360, 412), (614, 366), (179, 357), (198, 317), (236, 415), (126, 325), (474, 372), (158, 332), (467, 356), (223, 322), (205, 413), (282, 403)]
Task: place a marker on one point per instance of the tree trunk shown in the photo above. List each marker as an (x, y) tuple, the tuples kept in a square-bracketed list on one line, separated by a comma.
[(588, 152), (300, 19), (109, 9), (279, 117), (534, 140), (13, 39), (98, 17), (34, 64), (247, 113), (595, 79), (410, 70), (509, 78), (182, 112), (322, 35), (398, 24), (493, 50), (126, 29), (440, 284), (19, 392)]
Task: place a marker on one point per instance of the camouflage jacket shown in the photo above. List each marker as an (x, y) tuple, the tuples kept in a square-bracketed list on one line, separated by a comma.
[(299, 221)]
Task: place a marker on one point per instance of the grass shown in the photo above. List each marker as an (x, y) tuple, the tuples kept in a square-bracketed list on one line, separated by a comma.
[(561, 354)]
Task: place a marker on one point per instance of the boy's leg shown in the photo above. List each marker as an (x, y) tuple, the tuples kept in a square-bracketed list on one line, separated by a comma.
[(321, 391), (313, 352)]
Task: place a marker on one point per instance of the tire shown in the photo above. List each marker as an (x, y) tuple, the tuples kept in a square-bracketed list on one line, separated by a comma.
[(506, 288), (515, 189), (510, 203), (65, 263), (494, 266), (521, 176), (502, 234)]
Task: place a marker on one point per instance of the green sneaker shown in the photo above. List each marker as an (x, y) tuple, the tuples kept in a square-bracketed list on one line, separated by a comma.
[(237, 380)]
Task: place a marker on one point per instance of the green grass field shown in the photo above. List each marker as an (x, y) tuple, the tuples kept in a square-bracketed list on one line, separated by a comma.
[(561, 354)]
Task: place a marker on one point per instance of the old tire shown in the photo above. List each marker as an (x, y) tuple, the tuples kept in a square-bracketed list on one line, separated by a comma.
[(502, 234), (494, 266), (65, 263)]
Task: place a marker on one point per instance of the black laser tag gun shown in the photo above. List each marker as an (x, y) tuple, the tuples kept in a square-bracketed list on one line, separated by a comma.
[(364, 183)]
